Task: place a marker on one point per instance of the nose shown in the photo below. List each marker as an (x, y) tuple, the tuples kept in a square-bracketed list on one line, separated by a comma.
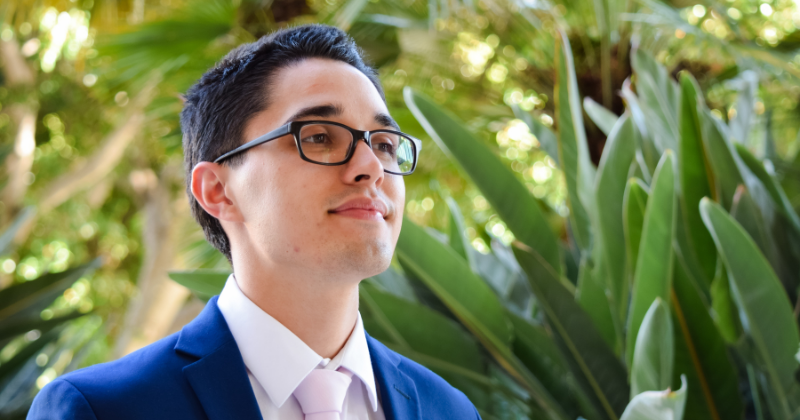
[(364, 167)]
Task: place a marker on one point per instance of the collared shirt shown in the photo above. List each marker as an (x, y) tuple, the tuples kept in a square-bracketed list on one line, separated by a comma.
[(277, 361)]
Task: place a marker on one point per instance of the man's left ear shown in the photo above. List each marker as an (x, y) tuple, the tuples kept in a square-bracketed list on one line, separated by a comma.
[(208, 188)]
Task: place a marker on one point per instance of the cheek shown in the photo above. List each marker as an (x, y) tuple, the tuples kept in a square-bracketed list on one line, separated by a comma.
[(396, 191), (291, 204)]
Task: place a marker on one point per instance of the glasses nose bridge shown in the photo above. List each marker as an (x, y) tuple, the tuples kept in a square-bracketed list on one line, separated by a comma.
[(360, 135)]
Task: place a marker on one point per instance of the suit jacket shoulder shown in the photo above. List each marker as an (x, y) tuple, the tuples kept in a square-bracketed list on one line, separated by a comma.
[(143, 382), (435, 397)]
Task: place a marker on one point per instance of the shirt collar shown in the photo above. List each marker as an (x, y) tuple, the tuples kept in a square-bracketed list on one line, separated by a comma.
[(277, 358)]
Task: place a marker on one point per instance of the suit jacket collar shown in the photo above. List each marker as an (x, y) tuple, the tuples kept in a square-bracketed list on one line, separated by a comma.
[(219, 377), (398, 392)]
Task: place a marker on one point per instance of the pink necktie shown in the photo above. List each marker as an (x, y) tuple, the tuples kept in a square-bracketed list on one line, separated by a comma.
[(321, 394)]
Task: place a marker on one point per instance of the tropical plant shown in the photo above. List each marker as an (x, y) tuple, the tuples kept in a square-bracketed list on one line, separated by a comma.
[(678, 212)]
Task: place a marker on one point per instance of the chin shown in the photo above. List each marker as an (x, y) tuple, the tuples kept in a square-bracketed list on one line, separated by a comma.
[(366, 259)]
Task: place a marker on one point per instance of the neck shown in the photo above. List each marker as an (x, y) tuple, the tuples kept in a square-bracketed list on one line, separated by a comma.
[(319, 310)]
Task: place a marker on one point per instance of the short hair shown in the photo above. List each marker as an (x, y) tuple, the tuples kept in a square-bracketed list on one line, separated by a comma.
[(220, 104)]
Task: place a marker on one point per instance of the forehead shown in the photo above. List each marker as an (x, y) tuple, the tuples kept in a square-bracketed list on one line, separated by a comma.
[(316, 81)]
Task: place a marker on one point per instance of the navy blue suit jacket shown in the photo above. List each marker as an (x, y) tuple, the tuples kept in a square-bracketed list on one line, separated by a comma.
[(198, 373)]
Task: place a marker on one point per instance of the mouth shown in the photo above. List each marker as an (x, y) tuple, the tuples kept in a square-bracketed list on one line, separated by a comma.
[(362, 208)]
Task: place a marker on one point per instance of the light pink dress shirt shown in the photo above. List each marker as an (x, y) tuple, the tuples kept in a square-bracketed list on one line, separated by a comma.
[(277, 361)]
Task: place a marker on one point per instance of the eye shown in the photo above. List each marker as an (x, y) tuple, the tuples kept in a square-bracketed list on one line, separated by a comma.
[(385, 147), (319, 138)]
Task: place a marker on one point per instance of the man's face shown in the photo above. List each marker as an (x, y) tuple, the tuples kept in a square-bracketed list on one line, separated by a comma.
[(309, 216)]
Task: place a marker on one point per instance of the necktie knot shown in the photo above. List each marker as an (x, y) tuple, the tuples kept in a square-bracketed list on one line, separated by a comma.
[(321, 394)]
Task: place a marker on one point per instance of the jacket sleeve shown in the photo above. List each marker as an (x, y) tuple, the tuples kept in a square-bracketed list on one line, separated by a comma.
[(60, 400)]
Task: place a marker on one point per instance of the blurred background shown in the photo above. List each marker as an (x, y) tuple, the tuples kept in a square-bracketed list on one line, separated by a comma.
[(92, 201)]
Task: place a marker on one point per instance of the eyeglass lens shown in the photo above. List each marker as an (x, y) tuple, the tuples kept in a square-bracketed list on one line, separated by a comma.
[(327, 143)]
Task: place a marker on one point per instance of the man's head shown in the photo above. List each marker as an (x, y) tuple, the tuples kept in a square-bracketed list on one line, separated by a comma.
[(267, 203)]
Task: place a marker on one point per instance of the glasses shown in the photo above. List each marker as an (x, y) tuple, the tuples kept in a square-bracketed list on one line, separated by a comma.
[(329, 143)]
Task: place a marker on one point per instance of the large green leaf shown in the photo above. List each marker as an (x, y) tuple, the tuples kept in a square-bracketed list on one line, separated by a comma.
[(720, 155), (7, 238), (392, 282), (25, 300), (772, 186), (741, 124), (204, 283), (598, 370), (726, 315), (634, 204), (701, 355), (653, 275), (508, 196), (422, 330), (471, 300), (747, 213), (21, 326), (653, 356), (657, 405), (761, 299), (573, 150), (601, 117), (458, 238), (536, 348), (778, 220), (13, 365), (659, 98), (610, 185), (591, 295), (695, 177), (647, 155)]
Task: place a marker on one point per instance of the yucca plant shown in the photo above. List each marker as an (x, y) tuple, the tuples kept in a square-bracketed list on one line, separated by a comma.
[(688, 249), (688, 254)]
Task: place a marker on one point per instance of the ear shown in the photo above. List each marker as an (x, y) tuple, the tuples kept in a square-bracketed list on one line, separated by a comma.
[(209, 189)]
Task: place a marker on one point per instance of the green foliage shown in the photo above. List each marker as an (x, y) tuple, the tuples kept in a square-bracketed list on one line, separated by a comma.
[(573, 151), (653, 359), (205, 283), (31, 333), (610, 187), (759, 295), (520, 210), (667, 259), (653, 273)]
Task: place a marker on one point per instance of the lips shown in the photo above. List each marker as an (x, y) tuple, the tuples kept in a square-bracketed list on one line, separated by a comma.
[(362, 208)]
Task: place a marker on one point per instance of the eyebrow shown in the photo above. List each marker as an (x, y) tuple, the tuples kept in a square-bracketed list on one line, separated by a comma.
[(386, 120), (335, 110)]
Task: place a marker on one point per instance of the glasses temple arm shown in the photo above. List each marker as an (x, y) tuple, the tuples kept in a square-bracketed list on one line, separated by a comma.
[(272, 135)]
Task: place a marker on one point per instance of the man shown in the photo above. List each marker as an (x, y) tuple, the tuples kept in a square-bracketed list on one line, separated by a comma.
[(295, 173)]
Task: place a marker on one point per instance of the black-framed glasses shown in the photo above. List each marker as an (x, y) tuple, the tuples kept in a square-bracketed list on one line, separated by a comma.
[(330, 143)]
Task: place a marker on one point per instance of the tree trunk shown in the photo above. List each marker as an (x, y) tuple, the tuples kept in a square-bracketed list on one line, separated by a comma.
[(18, 75), (151, 313)]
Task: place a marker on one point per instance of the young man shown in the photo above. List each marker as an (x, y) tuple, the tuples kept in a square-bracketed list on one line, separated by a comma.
[(295, 172)]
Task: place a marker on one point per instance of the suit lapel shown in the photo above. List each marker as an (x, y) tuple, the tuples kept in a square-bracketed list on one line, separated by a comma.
[(398, 392), (218, 377)]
